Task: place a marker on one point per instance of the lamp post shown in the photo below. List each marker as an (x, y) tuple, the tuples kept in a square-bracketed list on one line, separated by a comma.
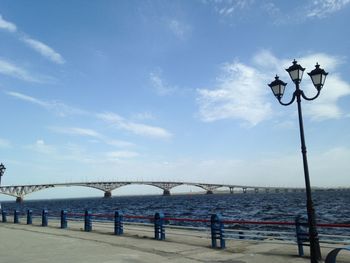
[(2, 171), (318, 77)]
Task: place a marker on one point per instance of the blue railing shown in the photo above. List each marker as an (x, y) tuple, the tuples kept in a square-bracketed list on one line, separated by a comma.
[(218, 229)]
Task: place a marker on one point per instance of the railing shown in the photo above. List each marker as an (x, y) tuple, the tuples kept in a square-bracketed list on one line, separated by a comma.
[(215, 228)]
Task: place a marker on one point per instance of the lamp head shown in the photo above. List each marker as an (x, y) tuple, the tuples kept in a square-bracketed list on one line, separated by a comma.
[(295, 72), (318, 77), (277, 86)]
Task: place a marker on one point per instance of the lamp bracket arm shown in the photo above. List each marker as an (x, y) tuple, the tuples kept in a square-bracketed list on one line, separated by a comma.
[(306, 98), (291, 101)]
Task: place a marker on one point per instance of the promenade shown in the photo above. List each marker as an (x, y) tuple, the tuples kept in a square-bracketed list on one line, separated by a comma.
[(33, 243)]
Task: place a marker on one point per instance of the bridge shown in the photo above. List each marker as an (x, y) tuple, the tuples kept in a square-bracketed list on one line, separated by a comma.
[(19, 191)]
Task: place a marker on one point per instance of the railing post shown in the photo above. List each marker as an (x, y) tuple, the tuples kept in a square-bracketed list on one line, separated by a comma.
[(299, 237), (44, 217), (88, 221), (63, 219), (217, 231), (4, 216), (159, 232), (118, 223), (16, 217), (29, 217)]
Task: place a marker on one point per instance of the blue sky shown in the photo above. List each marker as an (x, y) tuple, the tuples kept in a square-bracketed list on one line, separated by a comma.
[(170, 90)]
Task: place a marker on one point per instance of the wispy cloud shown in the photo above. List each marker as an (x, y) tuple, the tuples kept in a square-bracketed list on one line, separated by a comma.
[(327, 106), (179, 29), (58, 108), (12, 70), (43, 148), (116, 155), (118, 121), (238, 95), (44, 50), (229, 7), (299, 12), (159, 85), (144, 116), (38, 46), (136, 128), (4, 143), (324, 8), (6, 25), (241, 94), (76, 131)]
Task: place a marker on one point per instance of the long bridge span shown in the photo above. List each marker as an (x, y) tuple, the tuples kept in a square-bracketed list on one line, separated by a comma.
[(19, 191)]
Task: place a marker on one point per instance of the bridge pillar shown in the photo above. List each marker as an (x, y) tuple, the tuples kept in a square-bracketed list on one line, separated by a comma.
[(244, 190), (232, 190), (19, 199), (209, 192), (256, 190), (166, 192), (108, 194)]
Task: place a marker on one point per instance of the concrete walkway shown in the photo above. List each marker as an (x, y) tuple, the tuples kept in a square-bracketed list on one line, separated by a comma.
[(33, 243)]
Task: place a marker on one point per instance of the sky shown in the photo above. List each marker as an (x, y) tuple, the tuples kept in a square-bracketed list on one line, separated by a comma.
[(170, 91)]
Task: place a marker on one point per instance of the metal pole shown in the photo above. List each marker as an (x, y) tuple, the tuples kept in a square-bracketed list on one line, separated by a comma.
[(315, 252)]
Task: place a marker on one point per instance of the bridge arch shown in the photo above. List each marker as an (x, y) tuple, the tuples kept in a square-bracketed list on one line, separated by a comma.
[(186, 188), (138, 189), (65, 192)]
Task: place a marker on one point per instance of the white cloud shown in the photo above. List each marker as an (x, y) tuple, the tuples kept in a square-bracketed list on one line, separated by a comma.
[(41, 147), (242, 93), (179, 29), (64, 110), (4, 143), (136, 128), (324, 8), (239, 95), (159, 85), (118, 143), (44, 50), (6, 25), (24, 97), (116, 155), (228, 8), (326, 106), (76, 131), (9, 69), (144, 116), (58, 108)]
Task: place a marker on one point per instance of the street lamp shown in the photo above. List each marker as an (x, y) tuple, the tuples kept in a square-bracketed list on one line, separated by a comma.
[(2, 171), (318, 77)]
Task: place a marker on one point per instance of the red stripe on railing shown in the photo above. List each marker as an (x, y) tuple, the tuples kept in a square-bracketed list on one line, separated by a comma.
[(242, 222), (103, 215), (138, 217), (187, 220), (258, 222)]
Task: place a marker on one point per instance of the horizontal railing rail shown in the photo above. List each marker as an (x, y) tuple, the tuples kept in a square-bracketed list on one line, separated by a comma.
[(215, 228)]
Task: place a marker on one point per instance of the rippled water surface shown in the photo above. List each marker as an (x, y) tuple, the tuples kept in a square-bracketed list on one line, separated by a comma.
[(330, 206)]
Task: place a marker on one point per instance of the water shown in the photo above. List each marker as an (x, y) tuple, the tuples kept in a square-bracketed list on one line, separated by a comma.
[(330, 206)]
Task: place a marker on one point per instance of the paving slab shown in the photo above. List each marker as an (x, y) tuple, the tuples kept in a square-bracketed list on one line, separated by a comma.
[(33, 243)]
